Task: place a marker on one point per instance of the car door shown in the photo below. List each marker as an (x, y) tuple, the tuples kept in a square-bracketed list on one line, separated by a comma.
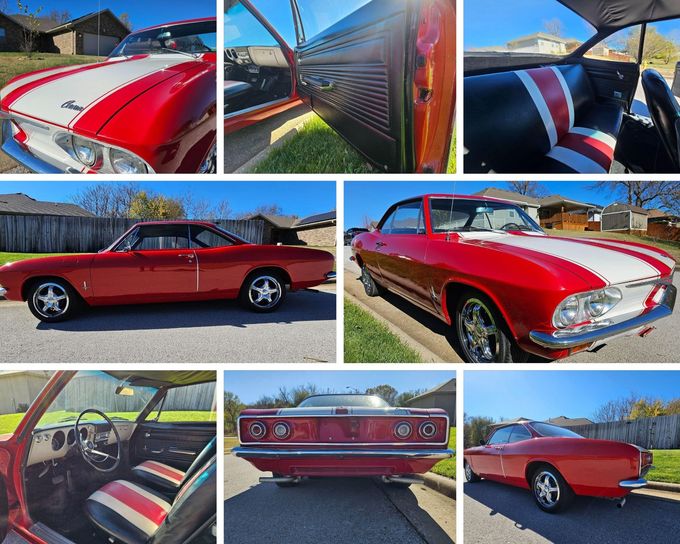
[(152, 262), (488, 459), (514, 455), (382, 74), (222, 264)]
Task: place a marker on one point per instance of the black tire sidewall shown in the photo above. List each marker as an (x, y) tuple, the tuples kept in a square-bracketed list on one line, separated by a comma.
[(566, 494), (245, 300)]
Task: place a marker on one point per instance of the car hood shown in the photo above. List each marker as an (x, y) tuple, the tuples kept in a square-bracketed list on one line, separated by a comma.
[(613, 261), (62, 96)]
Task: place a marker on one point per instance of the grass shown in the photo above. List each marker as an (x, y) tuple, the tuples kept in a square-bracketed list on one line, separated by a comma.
[(230, 442), (9, 422), (315, 149), (11, 257), (451, 168), (447, 467), (667, 467), (369, 341), (14, 64), (671, 247)]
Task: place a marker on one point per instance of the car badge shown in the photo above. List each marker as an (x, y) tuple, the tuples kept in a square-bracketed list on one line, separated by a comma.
[(71, 105)]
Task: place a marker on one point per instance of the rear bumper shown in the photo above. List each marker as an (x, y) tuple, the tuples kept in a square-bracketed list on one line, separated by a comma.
[(633, 484), (560, 340), (268, 453), (20, 154)]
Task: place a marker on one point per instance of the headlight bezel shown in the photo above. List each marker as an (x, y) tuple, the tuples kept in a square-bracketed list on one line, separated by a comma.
[(105, 155), (580, 308)]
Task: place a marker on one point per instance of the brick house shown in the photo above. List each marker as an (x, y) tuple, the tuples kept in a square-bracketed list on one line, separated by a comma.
[(314, 230), (96, 33)]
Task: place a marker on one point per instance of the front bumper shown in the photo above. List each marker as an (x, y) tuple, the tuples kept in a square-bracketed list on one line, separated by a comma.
[(559, 340), (268, 453), (22, 155), (633, 484)]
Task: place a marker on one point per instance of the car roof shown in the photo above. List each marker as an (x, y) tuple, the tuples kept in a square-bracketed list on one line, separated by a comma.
[(454, 196), (174, 23), (178, 222)]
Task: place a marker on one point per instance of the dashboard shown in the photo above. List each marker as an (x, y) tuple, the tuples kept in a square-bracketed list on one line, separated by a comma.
[(265, 56), (56, 441)]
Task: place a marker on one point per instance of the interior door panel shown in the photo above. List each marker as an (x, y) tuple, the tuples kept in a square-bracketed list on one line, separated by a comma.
[(176, 444), (613, 81), (353, 76)]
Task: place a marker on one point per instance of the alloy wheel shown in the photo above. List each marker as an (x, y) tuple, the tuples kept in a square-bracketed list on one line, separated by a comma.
[(546, 489), (51, 300), (480, 333), (264, 291)]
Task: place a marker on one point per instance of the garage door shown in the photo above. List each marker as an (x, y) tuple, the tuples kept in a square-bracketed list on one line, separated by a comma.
[(106, 44)]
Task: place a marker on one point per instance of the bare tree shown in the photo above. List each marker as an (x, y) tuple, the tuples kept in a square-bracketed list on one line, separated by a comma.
[(125, 19), (534, 189), (554, 27), (616, 410), (59, 17), (107, 199), (197, 208), (222, 210), (641, 193), (29, 30)]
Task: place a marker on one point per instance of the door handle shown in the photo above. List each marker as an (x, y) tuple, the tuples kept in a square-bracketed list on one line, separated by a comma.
[(147, 435), (380, 244), (498, 447), (190, 255), (620, 75), (182, 452), (323, 84)]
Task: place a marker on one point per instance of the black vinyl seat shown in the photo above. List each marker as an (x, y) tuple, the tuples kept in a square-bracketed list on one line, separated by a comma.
[(664, 111)]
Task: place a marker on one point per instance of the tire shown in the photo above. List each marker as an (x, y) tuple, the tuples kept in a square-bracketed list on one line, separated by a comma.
[(482, 333), (550, 490), (371, 287), (283, 484), (53, 300), (266, 284), (470, 475)]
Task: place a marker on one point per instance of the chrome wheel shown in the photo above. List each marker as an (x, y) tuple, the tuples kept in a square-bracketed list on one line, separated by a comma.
[(546, 489), (264, 292), (366, 278), (468, 472), (480, 333), (51, 300)]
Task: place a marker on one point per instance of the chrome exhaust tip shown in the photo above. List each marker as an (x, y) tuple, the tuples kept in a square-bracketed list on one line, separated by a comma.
[(279, 479), (402, 480)]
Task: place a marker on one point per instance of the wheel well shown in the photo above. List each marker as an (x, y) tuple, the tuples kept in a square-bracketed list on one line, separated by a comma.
[(453, 291), (273, 270), (533, 466), (30, 281), (359, 260)]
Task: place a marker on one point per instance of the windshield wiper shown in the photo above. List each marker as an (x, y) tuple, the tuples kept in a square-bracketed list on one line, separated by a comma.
[(69, 418), (192, 55)]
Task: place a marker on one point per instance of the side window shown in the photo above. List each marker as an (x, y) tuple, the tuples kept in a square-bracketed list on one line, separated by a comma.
[(319, 15), (202, 238), (242, 29), (408, 219), (622, 46), (191, 403), (162, 237), (501, 436), (519, 433)]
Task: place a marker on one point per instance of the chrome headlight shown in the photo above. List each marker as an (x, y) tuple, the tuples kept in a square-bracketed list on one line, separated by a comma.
[(585, 307), (86, 151), (123, 162)]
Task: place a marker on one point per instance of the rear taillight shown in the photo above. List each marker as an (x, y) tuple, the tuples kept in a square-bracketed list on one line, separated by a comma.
[(403, 430), (281, 430), (257, 429), (427, 429)]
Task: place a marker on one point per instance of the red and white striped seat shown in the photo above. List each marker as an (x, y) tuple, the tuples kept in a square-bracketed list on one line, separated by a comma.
[(164, 475)]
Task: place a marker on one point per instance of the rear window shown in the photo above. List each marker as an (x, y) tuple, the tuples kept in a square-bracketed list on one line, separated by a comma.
[(368, 401), (520, 32), (546, 429)]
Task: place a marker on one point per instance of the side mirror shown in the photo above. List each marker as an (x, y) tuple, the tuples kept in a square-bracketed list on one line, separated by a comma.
[(482, 442)]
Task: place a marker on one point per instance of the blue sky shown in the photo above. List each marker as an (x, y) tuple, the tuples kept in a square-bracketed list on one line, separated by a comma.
[(252, 384), (296, 198), (544, 394), (142, 13), (372, 198), (241, 28), (495, 22)]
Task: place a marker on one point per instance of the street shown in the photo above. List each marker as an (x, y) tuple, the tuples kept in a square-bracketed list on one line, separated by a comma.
[(194, 333), (496, 513), (331, 510), (661, 346)]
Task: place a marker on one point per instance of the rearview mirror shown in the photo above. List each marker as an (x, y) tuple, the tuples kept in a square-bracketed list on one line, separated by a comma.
[(482, 209), (124, 390), (482, 442)]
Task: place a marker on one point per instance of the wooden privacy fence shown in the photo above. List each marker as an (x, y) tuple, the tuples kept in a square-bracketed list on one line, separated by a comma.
[(661, 432), (63, 234)]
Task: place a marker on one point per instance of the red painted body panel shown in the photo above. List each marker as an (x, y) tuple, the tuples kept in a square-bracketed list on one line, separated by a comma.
[(590, 467), (525, 285), (135, 277)]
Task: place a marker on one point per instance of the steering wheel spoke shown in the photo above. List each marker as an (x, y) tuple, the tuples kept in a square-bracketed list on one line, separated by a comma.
[(88, 448)]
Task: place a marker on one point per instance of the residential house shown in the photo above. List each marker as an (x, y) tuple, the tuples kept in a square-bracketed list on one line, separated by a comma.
[(442, 396), (558, 212), (528, 203), (314, 230), (21, 204), (563, 421), (539, 42)]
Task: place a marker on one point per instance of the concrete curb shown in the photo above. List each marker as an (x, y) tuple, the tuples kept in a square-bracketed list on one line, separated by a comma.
[(441, 484), (664, 486), (427, 355)]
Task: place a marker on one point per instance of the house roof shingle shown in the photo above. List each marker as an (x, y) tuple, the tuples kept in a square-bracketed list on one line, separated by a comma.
[(446, 387), (555, 200), (19, 203), (494, 192), (616, 207), (563, 421), (50, 26), (293, 222), (317, 218)]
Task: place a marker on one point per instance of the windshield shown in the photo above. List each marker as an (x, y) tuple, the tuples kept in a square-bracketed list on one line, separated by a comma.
[(368, 401), (545, 429), (465, 215), (95, 389), (189, 38)]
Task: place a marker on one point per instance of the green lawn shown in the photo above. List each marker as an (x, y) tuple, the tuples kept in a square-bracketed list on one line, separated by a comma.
[(667, 463), (315, 149), (14, 64), (11, 257), (447, 467), (671, 247), (230, 442), (369, 341), (451, 168)]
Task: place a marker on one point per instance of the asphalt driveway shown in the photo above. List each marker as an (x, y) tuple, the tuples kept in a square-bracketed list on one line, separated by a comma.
[(332, 511), (496, 513), (201, 332), (660, 346)]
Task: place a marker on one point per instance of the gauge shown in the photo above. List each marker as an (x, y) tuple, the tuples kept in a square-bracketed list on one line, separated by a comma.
[(58, 440)]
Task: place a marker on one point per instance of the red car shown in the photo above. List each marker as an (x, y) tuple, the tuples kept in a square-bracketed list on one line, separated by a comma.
[(165, 262), (485, 267), (107, 470), (150, 107), (381, 73), (343, 435), (556, 464)]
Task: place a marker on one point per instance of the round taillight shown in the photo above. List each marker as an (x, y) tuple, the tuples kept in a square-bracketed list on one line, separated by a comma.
[(281, 430), (257, 429), (402, 430), (427, 429)]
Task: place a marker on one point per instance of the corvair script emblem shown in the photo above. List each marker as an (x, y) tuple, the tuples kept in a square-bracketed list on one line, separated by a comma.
[(71, 105)]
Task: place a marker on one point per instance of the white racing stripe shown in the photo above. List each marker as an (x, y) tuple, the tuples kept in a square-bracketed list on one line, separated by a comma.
[(668, 261), (84, 88), (540, 104), (33, 77), (575, 160)]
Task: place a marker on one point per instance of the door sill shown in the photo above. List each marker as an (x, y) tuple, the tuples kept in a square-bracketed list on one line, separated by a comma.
[(256, 108)]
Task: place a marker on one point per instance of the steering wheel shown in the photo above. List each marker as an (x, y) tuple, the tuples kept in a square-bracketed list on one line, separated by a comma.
[(509, 225), (88, 448)]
